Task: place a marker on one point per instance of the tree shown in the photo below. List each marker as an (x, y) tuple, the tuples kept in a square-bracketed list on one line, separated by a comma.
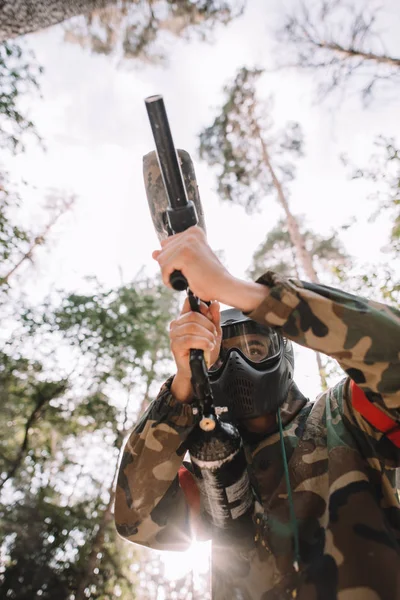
[(339, 41), (253, 159), (19, 74), (384, 173), (121, 332), (383, 283), (24, 399), (41, 539), (120, 339), (18, 243), (277, 253), (138, 31), (128, 25)]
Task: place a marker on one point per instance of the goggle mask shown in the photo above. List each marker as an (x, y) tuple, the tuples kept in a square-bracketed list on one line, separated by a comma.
[(258, 345)]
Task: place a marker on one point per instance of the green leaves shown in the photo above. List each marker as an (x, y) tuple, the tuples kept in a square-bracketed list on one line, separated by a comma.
[(141, 30), (18, 75), (118, 328), (60, 440), (44, 554), (25, 397), (247, 151), (384, 172), (13, 237), (277, 253), (342, 43)]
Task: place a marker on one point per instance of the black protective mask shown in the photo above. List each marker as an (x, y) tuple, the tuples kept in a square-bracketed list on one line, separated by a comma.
[(254, 371)]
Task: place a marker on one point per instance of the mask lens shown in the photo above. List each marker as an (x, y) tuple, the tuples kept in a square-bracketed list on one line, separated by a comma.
[(257, 343)]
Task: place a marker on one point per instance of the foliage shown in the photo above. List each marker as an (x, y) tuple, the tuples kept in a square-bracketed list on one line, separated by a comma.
[(254, 161), (19, 74), (44, 545), (25, 396), (140, 30), (277, 253), (118, 329), (13, 237), (55, 427), (384, 172), (381, 283), (237, 142), (341, 43), (18, 244)]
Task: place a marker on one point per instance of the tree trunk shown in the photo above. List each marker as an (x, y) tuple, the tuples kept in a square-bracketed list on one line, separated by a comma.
[(18, 17), (297, 239), (304, 257), (354, 53)]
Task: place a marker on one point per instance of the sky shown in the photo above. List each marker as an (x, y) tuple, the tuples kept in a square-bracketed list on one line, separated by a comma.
[(92, 118)]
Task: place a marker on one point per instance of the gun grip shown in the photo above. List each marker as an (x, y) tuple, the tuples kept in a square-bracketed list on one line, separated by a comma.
[(178, 281)]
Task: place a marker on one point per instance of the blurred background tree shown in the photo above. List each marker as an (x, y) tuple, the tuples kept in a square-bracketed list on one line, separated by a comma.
[(130, 27), (341, 43), (253, 160), (62, 460), (383, 171)]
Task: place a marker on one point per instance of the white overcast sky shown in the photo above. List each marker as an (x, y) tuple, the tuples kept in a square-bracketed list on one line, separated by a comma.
[(94, 124)]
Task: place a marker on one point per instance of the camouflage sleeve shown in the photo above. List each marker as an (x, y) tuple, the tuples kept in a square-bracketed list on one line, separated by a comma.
[(362, 335), (150, 506)]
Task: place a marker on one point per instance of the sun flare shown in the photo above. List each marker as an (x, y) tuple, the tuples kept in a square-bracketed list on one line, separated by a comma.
[(196, 558)]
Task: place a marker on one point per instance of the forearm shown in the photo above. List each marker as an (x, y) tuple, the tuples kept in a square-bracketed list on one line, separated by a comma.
[(147, 480), (243, 295), (364, 336)]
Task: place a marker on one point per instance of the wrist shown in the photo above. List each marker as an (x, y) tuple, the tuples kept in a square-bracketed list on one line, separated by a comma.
[(243, 295), (181, 388)]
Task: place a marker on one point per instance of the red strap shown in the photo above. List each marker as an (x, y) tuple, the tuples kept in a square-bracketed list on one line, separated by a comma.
[(374, 415), (190, 489)]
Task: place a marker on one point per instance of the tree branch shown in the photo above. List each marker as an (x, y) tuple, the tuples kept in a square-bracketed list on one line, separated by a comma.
[(35, 414)]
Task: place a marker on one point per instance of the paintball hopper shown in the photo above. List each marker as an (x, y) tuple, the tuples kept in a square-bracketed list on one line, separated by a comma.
[(157, 198)]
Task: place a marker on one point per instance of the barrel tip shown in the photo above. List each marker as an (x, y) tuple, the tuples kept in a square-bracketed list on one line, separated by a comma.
[(154, 98)]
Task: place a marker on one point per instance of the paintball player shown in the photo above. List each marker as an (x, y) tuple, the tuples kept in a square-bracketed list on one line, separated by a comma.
[(342, 450)]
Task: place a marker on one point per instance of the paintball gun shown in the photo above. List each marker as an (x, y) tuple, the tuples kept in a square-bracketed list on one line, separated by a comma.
[(175, 206), (216, 449)]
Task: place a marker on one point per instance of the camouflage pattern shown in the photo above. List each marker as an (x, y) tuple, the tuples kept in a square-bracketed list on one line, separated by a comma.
[(342, 469), (156, 194)]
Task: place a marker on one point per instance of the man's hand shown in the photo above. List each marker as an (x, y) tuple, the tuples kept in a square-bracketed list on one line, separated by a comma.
[(190, 253), (201, 331), (208, 279)]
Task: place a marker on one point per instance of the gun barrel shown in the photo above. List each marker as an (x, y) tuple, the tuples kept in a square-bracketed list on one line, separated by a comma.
[(167, 156)]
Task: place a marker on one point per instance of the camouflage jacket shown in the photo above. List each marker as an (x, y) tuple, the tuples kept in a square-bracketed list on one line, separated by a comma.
[(342, 450)]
